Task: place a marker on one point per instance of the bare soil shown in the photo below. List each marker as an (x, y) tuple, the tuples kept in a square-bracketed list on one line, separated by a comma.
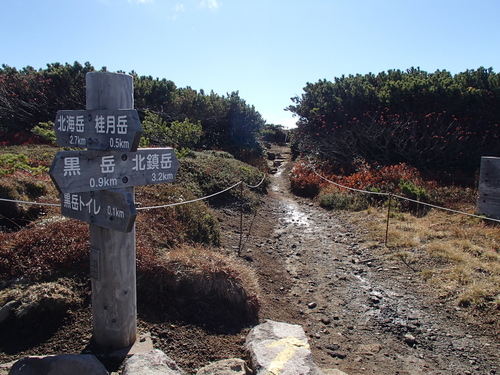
[(363, 313)]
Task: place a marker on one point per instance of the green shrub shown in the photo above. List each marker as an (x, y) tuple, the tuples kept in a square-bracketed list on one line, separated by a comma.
[(200, 224), (414, 192), (184, 134), (10, 163), (183, 153), (45, 130), (344, 201), (178, 134)]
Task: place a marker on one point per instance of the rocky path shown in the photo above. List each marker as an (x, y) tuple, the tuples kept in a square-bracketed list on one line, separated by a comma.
[(363, 313)]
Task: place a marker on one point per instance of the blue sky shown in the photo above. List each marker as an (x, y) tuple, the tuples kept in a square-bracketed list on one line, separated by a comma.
[(265, 49)]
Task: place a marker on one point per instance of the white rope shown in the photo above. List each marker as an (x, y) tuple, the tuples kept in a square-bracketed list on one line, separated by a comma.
[(263, 178), (405, 198), (151, 207), (254, 186), (34, 203), (446, 209), (191, 201), (349, 188)]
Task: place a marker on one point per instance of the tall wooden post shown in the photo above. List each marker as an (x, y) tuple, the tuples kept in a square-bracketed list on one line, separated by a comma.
[(488, 201), (113, 268)]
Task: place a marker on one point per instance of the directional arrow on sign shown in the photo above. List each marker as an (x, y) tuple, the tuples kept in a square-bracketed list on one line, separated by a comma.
[(118, 130), (77, 171), (112, 209)]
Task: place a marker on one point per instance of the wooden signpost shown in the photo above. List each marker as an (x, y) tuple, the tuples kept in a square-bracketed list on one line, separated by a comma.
[(97, 186), (76, 171), (113, 209), (99, 129)]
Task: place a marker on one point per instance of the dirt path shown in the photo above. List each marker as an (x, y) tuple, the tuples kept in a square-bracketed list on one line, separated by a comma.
[(364, 314)]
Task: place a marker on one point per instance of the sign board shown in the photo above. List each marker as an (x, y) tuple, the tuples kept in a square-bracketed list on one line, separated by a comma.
[(112, 209), (78, 171), (118, 130)]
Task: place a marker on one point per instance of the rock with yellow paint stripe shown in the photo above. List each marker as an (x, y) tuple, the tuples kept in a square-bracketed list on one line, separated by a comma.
[(280, 349)]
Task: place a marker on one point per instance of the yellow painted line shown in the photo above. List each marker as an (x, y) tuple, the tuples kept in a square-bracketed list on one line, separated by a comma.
[(291, 344)]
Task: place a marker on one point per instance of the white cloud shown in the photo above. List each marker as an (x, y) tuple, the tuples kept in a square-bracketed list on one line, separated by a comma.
[(185, 6), (210, 4), (179, 7)]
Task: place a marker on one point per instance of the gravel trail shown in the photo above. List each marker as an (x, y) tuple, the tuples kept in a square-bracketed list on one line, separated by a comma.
[(363, 313)]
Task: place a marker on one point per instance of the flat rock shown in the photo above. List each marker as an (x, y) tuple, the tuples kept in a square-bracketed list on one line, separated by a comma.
[(232, 366), (154, 362), (280, 348), (143, 344), (66, 364)]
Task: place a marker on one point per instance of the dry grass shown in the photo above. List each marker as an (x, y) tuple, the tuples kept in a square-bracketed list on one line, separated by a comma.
[(212, 273), (456, 254), (33, 300), (214, 284)]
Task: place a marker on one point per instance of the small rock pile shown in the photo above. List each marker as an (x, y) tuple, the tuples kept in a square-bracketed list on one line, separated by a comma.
[(273, 348)]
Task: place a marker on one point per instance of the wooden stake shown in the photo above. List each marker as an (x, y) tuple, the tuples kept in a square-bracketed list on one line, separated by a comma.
[(388, 216), (241, 219), (113, 269)]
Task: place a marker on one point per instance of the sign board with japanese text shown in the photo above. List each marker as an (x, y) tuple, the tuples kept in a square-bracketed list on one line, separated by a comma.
[(112, 209), (78, 171), (118, 130), (97, 186)]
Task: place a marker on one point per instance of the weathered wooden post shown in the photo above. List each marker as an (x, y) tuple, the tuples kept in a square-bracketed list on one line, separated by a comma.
[(112, 253), (488, 202), (97, 186)]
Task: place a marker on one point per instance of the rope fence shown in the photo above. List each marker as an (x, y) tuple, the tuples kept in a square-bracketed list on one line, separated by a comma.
[(243, 183), (151, 207), (256, 186), (191, 201), (239, 183), (33, 203), (405, 198), (263, 178), (390, 196)]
